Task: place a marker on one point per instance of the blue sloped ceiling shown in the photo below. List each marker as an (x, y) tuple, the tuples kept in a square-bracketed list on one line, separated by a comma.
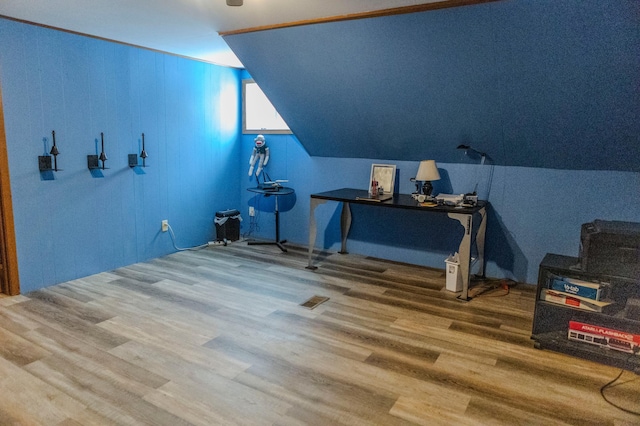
[(546, 83)]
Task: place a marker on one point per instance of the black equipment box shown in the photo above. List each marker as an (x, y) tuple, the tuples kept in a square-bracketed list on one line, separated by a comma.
[(611, 248), (227, 225)]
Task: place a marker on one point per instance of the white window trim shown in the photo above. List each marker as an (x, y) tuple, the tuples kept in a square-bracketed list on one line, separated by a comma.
[(281, 131)]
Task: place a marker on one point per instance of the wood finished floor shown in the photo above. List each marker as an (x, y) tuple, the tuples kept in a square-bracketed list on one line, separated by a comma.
[(217, 337)]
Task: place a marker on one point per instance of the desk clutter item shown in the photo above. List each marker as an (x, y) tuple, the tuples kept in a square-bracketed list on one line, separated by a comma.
[(373, 189), (270, 185), (377, 199), (450, 199), (382, 179)]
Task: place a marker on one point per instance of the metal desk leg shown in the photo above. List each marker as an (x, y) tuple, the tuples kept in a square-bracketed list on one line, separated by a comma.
[(480, 241), (464, 251), (345, 225), (313, 230)]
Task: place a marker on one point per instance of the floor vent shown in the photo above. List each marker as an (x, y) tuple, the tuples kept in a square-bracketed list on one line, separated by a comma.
[(314, 301)]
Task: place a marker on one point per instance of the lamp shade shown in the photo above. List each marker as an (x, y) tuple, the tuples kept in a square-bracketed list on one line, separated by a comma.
[(428, 171)]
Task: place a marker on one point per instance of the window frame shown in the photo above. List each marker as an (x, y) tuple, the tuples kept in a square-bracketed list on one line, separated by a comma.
[(263, 131)]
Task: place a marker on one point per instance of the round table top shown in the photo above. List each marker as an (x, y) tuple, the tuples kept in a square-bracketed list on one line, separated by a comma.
[(282, 190)]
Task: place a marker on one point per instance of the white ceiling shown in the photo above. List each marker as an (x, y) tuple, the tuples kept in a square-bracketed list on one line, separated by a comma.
[(184, 27)]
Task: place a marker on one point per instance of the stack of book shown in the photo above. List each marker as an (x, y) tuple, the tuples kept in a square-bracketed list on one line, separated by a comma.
[(576, 293)]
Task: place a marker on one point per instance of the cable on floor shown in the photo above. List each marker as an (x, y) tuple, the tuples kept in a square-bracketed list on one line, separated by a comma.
[(610, 384), (486, 288), (173, 240)]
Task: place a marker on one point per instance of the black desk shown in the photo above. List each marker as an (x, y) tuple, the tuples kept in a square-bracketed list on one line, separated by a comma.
[(283, 190), (464, 215)]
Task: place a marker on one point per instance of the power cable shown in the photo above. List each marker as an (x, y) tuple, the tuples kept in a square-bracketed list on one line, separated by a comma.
[(608, 385), (173, 240)]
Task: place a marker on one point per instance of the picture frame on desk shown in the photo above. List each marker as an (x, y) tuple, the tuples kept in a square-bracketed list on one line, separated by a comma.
[(385, 175)]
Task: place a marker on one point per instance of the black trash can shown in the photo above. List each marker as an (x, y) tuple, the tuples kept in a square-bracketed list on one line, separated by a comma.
[(227, 225)]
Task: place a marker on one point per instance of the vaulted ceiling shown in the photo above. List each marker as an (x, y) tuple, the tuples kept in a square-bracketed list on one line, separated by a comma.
[(545, 83), (183, 27)]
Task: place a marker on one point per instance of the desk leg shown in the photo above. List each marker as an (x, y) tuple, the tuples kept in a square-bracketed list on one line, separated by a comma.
[(345, 226), (464, 251), (313, 230), (480, 241)]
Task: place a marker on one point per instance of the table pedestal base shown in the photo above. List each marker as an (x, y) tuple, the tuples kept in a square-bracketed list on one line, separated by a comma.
[(267, 243), (277, 241)]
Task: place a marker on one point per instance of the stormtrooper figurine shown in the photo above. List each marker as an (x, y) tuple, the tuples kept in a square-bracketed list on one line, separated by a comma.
[(260, 154)]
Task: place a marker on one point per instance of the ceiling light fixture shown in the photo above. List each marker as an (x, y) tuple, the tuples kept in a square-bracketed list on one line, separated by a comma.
[(234, 2)]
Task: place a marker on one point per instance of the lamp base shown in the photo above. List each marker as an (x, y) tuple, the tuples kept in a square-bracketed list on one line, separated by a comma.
[(427, 188)]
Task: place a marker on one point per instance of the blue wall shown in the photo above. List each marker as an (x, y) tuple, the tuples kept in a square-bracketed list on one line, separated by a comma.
[(548, 88), (533, 211), (74, 223), (544, 83), (78, 224)]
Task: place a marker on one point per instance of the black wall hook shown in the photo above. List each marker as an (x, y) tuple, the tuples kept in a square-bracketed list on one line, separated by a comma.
[(93, 160), (44, 161), (143, 154), (54, 151), (133, 158), (103, 156)]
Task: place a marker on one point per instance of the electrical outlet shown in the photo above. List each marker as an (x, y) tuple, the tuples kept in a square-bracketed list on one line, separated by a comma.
[(165, 225), (252, 211)]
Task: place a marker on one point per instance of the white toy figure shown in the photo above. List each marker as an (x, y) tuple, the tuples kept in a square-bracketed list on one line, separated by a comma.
[(260, 154)]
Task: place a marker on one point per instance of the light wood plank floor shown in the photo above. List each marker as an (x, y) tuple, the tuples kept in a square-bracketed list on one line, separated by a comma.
[(217, 337)]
